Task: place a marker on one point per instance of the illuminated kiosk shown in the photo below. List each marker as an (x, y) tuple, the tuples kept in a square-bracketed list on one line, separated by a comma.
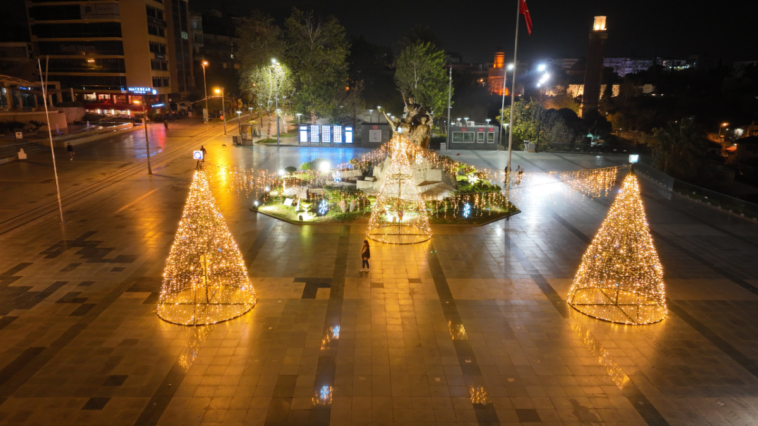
[(205, 280), (399, 214), (620, 278)]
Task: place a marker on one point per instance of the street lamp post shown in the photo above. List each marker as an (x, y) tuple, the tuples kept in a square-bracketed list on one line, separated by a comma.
[(223, 106), (298, 118), (723, 126), (205, 92), (275, 79), (370, 115), (147, 143), (239, 122), (378, 113)]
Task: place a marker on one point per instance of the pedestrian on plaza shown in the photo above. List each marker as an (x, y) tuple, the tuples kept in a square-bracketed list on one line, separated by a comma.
[(70, 150), (365, 256), (165, 124), (204, 154)]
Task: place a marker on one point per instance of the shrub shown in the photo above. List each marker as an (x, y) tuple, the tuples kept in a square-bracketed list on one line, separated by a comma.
[(290, 169)]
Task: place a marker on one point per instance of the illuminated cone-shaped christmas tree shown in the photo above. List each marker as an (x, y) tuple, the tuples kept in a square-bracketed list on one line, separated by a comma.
[(620, 278), (205, 280), (399, 214)]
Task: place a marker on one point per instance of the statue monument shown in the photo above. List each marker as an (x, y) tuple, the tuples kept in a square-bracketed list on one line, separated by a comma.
[(416, 123)]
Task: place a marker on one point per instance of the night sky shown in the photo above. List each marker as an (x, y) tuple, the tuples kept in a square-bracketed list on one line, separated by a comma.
[(666, 28)]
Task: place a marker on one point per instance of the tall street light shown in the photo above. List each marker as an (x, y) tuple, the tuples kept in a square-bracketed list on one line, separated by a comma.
[(275, 65), (147, 143), (723, 125), (370, 115), (239, 122), (223, 106), (205, 92)]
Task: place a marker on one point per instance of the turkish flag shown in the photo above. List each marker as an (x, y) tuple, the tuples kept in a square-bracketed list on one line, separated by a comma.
[(522, 9)]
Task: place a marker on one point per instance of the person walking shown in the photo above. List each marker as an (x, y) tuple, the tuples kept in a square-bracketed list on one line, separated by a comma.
[(165, 124), (365, 256), (204, 152), (70, 150)]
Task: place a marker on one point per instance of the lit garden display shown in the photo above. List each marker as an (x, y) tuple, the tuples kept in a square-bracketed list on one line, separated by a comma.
[(620, 278), (205, 280), (399, 214)]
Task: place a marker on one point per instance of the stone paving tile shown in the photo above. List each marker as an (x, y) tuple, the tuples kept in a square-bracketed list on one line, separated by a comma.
[(468, 328)]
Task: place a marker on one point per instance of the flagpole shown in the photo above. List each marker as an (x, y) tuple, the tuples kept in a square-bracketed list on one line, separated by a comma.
[(502, 105), (50, 130), (513, 101)]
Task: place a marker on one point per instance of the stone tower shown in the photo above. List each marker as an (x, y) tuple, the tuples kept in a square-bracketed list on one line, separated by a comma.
[(594, 69)]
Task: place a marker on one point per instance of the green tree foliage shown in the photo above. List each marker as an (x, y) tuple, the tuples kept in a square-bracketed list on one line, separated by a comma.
[(268, 81), (260, 41), (532, 122), (316, 51), (420, 73), (679, 148)]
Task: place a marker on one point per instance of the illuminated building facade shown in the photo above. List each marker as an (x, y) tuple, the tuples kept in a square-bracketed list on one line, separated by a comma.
[(594, 70), (103, 49), (496, 74)]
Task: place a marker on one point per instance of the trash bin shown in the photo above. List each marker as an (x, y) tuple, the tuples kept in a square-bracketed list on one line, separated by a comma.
[(235, 140), (443, 146)]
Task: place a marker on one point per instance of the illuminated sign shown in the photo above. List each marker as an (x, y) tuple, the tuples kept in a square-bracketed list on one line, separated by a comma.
[(348, 134), (337, 133), (326, 134), (633, 158), (314, 133), (197, 155), (157, 105), (303, 134), (140, 90)]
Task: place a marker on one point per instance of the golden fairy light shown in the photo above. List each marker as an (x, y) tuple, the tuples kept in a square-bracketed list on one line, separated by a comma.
[(399, 215), (457, 331), (620, 278), (331, 334), (205, 280), (591, 182), (188, 355), (478, 395)]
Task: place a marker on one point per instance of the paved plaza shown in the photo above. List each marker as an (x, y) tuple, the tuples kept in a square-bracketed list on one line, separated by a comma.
[(471, 327)]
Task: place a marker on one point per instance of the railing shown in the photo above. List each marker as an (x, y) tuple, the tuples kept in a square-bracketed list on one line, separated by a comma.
[(696, 193), (585, 148)]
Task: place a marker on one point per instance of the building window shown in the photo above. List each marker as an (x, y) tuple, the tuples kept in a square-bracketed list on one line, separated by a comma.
[(185, 36), (160, 82), (87, 65), (154, 12), (90, 97), (120, 99), (158, 65), (76, 30), (106, 99), (156, 47), (156, 30), (55, 13)]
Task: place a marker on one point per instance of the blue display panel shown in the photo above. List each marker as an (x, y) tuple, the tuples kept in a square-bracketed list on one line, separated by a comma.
[(303, 132), (337, 133), (314, 133), (348, 134), (326, 133)]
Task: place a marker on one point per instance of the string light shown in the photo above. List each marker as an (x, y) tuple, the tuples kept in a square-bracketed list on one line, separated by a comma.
[(620, 278), (399, 215), (205, 280), (457, 331), (478, 395)]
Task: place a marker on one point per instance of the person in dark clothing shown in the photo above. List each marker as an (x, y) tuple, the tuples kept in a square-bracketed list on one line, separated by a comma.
[(71, 152), (204, 153), (365, 256), (165, 124)]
